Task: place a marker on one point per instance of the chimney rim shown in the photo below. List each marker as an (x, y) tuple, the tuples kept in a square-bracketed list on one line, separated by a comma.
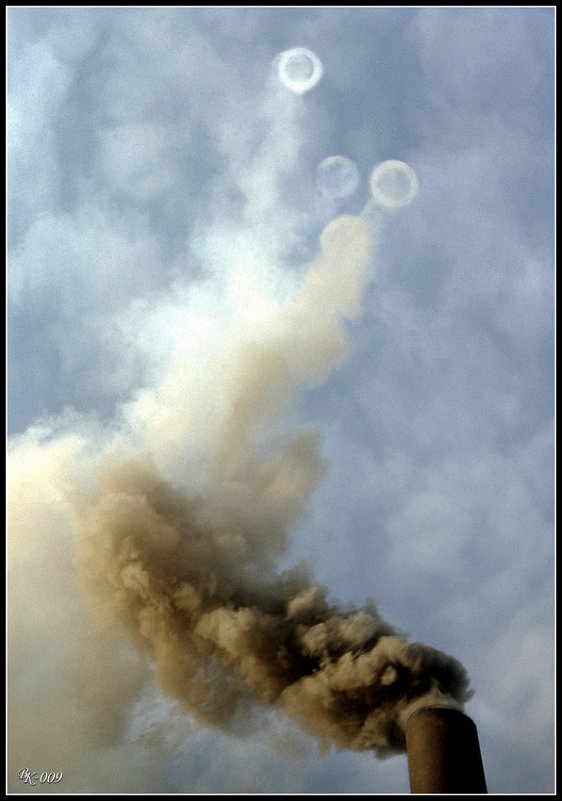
[(453, 706)]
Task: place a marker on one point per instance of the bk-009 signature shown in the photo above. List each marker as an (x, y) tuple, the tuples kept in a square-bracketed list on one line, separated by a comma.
[(31, 777)]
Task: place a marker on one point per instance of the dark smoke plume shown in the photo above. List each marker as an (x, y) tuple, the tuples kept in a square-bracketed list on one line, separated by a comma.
[(149, 549), (191, 575), (227, 631)]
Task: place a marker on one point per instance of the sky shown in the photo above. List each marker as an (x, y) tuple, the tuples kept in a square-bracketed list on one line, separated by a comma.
[(251, 398)]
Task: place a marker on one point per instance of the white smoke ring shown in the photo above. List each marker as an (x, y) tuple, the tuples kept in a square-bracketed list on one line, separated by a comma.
[(394, 184), (299, 69), (337, 176)]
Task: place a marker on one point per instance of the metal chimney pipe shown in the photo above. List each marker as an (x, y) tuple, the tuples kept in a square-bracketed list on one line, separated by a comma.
[(443, 752)]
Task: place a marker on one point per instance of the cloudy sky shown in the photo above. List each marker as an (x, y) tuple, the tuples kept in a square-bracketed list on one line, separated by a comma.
[(373, 395)]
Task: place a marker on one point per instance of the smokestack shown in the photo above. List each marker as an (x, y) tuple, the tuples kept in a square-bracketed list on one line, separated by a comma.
[(443, 752)]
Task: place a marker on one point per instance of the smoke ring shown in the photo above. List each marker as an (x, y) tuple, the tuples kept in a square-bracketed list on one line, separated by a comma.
[(394, 184), (337, 176), (299, 69)]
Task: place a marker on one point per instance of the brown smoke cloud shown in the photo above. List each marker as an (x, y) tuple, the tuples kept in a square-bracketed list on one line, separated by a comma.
[(227, 631), (179, 573)]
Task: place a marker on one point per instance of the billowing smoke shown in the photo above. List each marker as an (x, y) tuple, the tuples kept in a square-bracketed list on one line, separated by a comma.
[(194, 579), (151, 547), (182, 576)]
